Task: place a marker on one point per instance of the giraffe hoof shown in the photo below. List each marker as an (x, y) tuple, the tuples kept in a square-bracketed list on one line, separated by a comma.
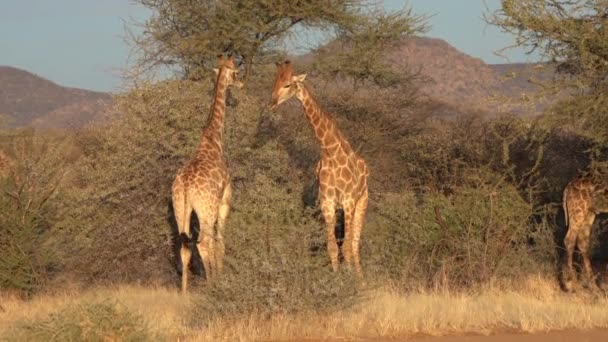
[(567, 286)]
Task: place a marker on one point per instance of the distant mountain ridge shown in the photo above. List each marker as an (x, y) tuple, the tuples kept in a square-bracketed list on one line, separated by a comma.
[(30, 100), (461, 81), (466, 81)]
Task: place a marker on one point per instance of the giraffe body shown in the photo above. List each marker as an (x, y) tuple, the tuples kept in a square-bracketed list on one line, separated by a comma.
[(584, 198), (342, 174), (203, 184)]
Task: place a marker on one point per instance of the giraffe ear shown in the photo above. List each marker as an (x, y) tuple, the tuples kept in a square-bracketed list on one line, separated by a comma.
[(216, 71), (299, 78)]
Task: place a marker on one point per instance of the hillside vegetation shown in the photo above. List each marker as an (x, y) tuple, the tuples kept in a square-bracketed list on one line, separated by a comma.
[(30, 100)]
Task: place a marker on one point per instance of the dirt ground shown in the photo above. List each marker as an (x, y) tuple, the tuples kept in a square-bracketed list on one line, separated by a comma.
[(559, 336)]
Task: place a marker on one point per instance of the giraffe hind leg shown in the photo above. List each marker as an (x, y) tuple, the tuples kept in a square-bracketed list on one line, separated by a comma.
[(185, 256), (569, 243), (575, 223), (182, 212), (207, 217), (583, 246)]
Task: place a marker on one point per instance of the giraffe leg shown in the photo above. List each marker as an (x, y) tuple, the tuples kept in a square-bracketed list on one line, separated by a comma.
[(329, 213), (583, 246), (182, 213), (185, 255), (221, 222), (206, 218), (360, 210), (204, 246), (347, 246), (569, 243)]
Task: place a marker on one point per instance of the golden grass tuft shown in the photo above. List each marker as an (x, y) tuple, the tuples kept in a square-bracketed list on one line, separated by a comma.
[(535, 305)]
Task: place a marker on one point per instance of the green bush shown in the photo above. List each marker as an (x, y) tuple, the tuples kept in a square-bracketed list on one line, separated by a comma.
[(480, 233), (493, 181), (275, 259), (94, 321), (29, 205), (120, 223)]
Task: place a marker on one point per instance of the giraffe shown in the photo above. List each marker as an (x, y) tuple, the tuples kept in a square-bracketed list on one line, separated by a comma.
[(203, 184), (341, 173), (584, 197)]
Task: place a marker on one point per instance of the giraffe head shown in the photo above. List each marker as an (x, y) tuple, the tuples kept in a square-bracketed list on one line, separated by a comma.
[(227, 70), (285, 84)]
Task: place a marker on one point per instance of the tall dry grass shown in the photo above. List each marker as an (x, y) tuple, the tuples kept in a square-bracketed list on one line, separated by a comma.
[(533, 305)]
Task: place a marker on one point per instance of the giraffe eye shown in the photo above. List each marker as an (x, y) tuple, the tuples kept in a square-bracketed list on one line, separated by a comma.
[(287, 86)]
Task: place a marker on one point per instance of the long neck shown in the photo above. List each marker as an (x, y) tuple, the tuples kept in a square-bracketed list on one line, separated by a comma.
[(215, 125), (323, 125)]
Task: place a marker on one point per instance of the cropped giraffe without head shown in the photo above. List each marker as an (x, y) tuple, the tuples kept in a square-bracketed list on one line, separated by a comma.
[(584, 198), (203, 184), (341, 173)]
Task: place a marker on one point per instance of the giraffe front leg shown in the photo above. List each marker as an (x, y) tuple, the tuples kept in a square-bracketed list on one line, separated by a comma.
[(223, 211), (359, 218), (347, 246), (329, 213)]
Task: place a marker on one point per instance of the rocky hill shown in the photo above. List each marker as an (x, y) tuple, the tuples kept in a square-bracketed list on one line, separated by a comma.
[(454, 78), (29, 100), (465, 81)]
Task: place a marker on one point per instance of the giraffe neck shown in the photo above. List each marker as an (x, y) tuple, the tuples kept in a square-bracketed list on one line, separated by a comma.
[(214, 129), (323, 125)]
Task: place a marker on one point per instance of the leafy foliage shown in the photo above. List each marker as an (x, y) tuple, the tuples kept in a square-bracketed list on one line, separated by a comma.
[(121, 202), (188, 34), (439, 242), (574, 36), (456, 201), (36, 168), (360, 52)]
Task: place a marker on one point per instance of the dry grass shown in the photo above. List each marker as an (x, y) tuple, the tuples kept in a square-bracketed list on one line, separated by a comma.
[(533, 306)]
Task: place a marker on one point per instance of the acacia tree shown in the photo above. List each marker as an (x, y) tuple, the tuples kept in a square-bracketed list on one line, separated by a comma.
[(188, 34), (573, 34)]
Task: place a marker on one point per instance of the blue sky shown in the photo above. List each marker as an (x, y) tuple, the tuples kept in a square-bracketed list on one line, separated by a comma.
[(80, 43)]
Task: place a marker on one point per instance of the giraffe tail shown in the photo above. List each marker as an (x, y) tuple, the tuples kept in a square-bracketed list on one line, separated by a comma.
[(565, 205), (186, 217)]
